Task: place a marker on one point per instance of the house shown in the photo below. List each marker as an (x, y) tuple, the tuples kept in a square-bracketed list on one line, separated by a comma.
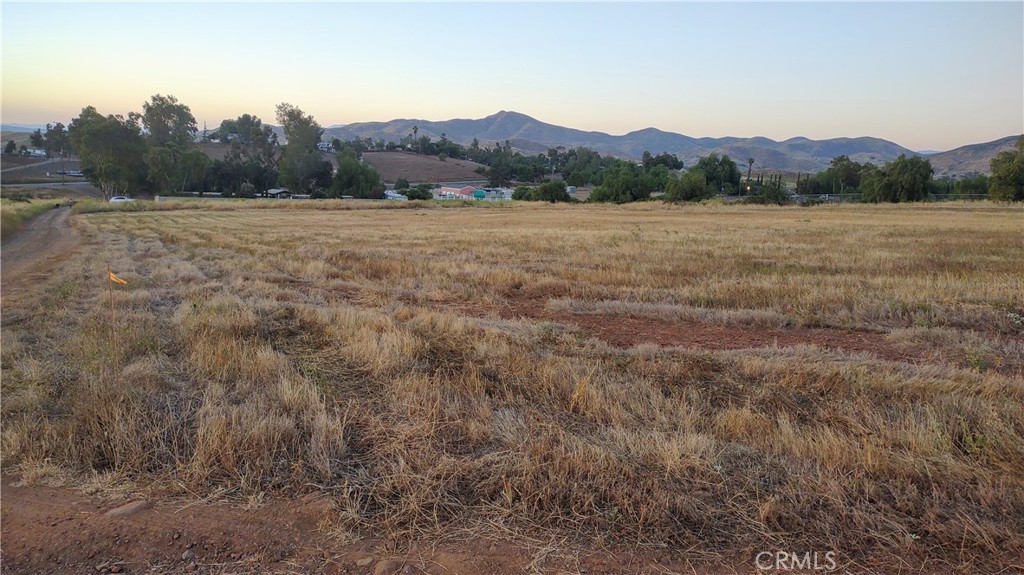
[(454, 193), (499, 194), (278, 193)]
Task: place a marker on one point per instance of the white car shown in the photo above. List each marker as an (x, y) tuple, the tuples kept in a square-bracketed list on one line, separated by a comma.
[(121, 199)]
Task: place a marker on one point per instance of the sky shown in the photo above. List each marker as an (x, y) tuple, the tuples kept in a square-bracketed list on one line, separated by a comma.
[(928, 76)]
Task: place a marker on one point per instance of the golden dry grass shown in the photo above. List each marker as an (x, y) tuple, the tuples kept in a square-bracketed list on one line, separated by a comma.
[(372, 354)]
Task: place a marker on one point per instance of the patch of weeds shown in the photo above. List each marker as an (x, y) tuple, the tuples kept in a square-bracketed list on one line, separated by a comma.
[(969, 439), (65, 290), (979, 359)]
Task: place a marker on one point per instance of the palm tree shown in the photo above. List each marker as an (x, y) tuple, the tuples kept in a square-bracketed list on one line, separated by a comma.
[(750, 166)]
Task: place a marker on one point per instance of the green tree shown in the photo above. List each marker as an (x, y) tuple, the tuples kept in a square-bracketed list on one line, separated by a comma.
[(252, 160), (773, 192), (56, 140), (976, 185), (656, 178), (1007, 181), (846, 172), (112, 151), (551, 192), (420, 192), (166, 120), (170, 132), (36, 139), (194, 164), (301, 160), (10, 148), (161, 162), (690, 187), (500, 172), (227, 130), (721, 172), (623, 182), (247, 190), (901, 180), (355, 178), (247, 125), (402, 184)]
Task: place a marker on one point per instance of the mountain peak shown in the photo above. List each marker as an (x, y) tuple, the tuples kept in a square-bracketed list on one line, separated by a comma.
[(528, 135), (502, 114)]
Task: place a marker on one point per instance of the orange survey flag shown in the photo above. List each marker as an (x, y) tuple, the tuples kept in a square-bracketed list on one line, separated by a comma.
[(116, 279)]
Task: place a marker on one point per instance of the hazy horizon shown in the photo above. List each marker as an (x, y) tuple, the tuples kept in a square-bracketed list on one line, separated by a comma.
[(927, 76)]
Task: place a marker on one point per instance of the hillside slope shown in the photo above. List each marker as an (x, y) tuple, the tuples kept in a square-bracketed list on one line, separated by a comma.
[(416, 168), (974, 158), (532, 136)]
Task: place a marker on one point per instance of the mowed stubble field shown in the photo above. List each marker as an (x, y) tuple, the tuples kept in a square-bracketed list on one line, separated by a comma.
[(712, 380)]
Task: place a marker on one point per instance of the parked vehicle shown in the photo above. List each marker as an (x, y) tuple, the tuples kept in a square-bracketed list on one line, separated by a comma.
[(121, 199)]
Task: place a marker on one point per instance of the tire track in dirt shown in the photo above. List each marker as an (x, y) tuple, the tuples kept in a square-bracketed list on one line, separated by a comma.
[(35, 251), (59, 530), (626, 331)]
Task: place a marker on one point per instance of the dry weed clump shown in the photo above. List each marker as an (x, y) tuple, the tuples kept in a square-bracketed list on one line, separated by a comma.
[(384, 358)]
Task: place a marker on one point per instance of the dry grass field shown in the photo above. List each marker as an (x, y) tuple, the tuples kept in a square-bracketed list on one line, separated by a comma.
[(418, 168), (707, 381)]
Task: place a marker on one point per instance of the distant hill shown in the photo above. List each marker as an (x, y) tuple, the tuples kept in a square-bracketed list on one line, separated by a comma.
[(416, 168), (21, 138), (970, 159), (532, 136), (21, 127)]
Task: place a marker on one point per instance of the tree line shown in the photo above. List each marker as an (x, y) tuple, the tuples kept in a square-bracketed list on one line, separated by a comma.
[(155, 152), (54, 141), (901, 180), (911, 179)]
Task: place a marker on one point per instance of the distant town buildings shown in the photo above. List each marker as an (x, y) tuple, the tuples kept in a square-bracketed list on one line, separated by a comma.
[(471, 193)]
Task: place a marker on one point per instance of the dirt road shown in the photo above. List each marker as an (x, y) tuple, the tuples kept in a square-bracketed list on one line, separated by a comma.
[(32, 165), (56, 530), (33, 252)]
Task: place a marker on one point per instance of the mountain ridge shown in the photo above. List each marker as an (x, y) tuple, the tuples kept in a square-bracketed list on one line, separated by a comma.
[(529, 135)]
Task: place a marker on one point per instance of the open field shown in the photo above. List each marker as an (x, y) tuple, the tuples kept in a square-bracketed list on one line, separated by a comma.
[(691, 385), (417, 168), (37, 170), (20, 138)]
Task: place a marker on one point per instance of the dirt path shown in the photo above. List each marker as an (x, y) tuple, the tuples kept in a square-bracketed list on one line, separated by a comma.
[(36, 250), (33, 165), (623, 331), (57, 530)]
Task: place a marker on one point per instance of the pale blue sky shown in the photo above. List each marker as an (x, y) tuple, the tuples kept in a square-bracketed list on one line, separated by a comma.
[(925, 75)]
